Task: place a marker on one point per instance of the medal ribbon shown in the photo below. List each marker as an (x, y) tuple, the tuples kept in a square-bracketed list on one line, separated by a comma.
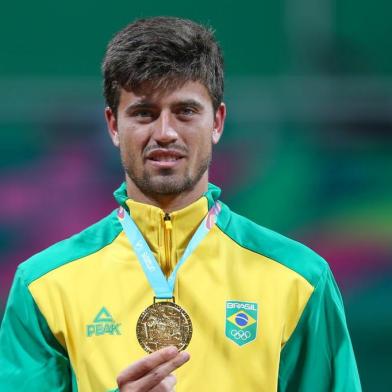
[(163, 287)]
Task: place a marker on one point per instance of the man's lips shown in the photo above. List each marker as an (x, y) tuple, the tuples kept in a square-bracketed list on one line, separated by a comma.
[(164, 155), (164, 158)]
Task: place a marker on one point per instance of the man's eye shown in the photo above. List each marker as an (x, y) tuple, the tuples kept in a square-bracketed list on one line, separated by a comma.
[(187, 111), (143, 113)]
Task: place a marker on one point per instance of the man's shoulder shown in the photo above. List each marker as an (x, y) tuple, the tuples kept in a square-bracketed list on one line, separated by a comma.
[(80, 245), (266, 242)]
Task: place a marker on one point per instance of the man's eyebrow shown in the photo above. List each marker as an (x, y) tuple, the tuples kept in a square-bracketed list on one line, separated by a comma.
[(142, 104), (189, 102)]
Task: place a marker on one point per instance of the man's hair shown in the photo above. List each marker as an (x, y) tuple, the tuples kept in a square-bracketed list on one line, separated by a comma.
[(162, 53)]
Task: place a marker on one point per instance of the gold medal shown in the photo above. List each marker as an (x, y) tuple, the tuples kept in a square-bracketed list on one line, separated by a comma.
[(164, 324)]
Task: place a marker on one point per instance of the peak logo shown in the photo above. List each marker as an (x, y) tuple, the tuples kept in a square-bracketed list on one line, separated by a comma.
[(103, 324)]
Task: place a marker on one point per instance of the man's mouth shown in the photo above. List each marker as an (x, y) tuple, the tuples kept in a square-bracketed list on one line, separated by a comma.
[(164, 158)]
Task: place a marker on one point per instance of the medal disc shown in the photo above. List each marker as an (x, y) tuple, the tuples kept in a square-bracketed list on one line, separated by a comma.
[(164, 324)]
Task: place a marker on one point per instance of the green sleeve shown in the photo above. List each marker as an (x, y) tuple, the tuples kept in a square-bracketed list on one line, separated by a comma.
[(319, 356), (31, 359)]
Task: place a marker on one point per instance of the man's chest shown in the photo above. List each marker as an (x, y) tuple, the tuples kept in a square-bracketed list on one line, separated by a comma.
[(239, 304)]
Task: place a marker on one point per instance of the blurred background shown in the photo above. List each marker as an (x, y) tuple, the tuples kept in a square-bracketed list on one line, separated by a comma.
[(306, 151)]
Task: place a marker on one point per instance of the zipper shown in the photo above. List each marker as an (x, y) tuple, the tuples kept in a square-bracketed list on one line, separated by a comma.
[(167, 239)]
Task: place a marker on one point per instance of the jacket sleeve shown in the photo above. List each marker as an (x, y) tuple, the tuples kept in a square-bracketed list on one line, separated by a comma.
[(319, 356), (31, 359)]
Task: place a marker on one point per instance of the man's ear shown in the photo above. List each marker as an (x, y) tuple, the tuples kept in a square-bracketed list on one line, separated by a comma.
[(111, 122), (219, 122)]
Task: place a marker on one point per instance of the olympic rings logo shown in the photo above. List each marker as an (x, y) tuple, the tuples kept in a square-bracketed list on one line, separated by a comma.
[(240, 335)]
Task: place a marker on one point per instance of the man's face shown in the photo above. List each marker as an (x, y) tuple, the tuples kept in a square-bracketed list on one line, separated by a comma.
[(165, 139)]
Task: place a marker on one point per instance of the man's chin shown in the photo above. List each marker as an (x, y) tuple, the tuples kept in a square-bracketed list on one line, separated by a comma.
[(169, 184)]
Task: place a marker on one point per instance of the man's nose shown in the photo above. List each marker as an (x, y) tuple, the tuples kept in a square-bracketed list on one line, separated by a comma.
[(164, 130)]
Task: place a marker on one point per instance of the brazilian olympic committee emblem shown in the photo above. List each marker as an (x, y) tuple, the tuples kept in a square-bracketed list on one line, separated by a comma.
[(241, 321)]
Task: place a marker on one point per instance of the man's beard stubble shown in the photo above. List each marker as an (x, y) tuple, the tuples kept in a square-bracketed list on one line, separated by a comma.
[(167, 183)]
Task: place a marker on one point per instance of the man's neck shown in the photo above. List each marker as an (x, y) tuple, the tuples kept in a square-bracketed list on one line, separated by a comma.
[(168, 203)]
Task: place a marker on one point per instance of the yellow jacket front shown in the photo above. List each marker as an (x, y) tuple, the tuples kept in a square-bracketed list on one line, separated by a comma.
[(266, 311)]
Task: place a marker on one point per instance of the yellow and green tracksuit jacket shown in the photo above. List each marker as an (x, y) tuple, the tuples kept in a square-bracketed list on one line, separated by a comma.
[(266, 312)]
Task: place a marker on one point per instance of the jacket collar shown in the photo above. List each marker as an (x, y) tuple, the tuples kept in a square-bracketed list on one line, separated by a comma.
[(167, 245), (120, 194)]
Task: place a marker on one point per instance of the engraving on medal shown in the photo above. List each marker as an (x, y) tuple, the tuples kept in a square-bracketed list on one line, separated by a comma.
[(164, 324)]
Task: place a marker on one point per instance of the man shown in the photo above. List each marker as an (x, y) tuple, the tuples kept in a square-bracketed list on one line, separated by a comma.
[(259, 312)]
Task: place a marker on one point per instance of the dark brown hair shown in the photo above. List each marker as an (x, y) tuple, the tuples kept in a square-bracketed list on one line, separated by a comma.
[(162, 53)]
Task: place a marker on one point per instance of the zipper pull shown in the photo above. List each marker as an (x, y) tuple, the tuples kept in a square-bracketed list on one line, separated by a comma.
[(167, 220)]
